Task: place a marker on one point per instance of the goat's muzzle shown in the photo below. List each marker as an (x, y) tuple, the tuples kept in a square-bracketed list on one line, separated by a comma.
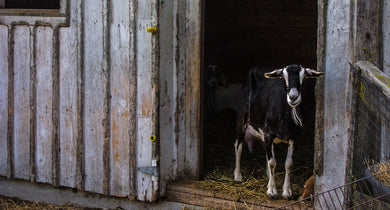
[(294, 97)]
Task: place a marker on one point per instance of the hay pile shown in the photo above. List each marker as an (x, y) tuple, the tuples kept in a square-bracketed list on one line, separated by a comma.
[(219, 163), (15, 203), (383, 171)]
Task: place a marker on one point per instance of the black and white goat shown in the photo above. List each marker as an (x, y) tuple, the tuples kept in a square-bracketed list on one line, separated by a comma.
[(272, 112)]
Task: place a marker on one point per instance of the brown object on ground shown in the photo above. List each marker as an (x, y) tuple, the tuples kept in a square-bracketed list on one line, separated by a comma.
[(308, 188)]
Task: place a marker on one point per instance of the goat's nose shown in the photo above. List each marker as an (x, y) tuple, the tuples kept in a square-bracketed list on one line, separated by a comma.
[(293, 94), (293, 97)]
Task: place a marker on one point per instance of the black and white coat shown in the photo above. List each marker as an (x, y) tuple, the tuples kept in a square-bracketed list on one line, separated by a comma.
[(272, 112)]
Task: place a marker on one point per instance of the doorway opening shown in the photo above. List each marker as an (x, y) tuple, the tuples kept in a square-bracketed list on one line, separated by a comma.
[(240, 35)]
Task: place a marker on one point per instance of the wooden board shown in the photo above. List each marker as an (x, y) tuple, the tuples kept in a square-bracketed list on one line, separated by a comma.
[(22, 168), (70, 105), (95, 101), (179, 192), (147, 99), (123, 87), (4, 154), (44, 104)]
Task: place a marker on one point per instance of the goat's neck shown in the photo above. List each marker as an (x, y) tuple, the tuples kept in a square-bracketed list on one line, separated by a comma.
[(296, 117)]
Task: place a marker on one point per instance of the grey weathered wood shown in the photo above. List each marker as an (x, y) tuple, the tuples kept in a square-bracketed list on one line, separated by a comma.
[(319, 89), (95, 77), (369, 32), (147, 98), (123, 86), (386, 36), (385, 143), (44, 106), (4, 150), (338, 96), (70, 65), (193, 159), (22, 107)]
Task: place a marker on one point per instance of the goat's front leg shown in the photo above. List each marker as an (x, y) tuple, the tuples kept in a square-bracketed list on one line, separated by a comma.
[(271, 165), (287, 193), (237, 170)]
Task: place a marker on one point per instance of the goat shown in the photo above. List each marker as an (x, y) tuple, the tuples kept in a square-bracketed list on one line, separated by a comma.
[(214, 79), (272, 112), (228, 98)]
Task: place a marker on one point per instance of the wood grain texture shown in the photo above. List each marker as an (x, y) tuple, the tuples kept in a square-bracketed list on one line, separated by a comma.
[(44, 105), (4, 150), (70, 105), (123, 98), (22, 106), (193, 161), (386, 37), (147, 100), (369, 32), (95, 75)]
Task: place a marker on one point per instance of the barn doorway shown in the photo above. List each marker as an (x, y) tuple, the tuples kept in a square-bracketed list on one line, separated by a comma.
[(238, 36)]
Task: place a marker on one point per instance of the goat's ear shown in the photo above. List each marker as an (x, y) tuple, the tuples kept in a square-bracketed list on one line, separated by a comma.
[(278, 73), (310, 73)]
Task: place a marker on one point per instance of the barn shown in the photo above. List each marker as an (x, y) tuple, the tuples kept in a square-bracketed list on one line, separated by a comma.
[(101, 102)]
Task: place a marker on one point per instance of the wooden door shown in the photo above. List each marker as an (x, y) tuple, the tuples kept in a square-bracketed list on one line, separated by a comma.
[(79, 97)]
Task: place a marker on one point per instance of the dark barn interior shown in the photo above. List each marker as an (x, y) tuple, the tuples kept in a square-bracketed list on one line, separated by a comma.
[(238, 36), (32, 4)]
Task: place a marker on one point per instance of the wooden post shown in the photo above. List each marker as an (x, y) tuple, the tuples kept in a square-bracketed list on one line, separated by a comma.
[(338, 96)]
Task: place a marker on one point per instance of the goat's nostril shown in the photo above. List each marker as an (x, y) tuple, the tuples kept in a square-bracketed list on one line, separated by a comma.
[(293, 97)]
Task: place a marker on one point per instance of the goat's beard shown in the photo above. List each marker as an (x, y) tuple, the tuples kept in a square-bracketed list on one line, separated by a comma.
[(296, 116)]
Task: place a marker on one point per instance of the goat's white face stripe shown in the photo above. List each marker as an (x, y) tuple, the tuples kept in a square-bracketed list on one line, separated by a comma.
[(301, 75), (285, 76)]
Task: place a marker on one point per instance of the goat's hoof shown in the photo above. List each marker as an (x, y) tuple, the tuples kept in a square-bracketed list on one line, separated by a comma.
[(272, 194), (287, 195), (274, 197), (238, 178)]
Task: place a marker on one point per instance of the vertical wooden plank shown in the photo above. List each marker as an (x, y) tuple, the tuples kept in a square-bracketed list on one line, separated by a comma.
[(70, 65), (338, 105), (168, 45), (147, 185), (386, 37), (123, 91), (96, 77), (369, 32), (319, 89), (22, 80), (193, 80), (4, 150), (385, 142), (68, 107), (44, 106)]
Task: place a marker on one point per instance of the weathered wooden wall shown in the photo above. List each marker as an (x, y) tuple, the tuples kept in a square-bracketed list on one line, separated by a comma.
[(372, 138), (79, 96)]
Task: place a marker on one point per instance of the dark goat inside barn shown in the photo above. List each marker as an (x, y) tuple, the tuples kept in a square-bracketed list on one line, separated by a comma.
[(272, 112), (214, 79)]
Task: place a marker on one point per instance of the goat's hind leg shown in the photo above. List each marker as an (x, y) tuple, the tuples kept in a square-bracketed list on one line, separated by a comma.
[(237, 170)]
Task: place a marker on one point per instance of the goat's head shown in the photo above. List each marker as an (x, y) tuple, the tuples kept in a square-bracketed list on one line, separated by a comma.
[(215, 77), (294, 75)]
